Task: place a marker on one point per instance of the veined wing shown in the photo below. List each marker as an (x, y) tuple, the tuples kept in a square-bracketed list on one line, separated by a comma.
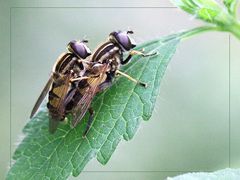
[(64, 57), (88, 94), (58, 94), (42, 96)]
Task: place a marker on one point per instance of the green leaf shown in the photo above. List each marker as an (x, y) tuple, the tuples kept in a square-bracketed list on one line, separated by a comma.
[(212, 12), (206, 10), (193, 6), (231, 6), (118, 113)]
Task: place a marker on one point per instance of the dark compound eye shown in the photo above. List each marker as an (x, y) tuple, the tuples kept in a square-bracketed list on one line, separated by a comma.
[(124, 40), (79, 49)]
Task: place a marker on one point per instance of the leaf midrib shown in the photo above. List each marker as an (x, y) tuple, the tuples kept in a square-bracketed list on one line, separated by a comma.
[(98, 149)]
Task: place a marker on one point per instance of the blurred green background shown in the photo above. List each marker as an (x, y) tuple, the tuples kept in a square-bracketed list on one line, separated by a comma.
[(195, 123)]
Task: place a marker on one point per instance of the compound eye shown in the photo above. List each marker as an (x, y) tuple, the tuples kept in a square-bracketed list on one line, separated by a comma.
[(124, 39), (79, 49)]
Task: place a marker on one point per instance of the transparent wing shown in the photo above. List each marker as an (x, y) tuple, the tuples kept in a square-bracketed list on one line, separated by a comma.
[(69, 96), (84, 103), (60, 60), (42, 96)]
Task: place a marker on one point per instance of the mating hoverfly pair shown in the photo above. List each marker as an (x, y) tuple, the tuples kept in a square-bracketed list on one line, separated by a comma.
[(77, 76)]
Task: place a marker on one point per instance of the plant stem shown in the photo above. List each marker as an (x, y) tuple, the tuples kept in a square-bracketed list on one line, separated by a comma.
[(233, 28), (199, 30)]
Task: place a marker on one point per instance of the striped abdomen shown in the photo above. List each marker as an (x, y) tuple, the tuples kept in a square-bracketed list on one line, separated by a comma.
[(60, 86), (56, 99), (77, 92)]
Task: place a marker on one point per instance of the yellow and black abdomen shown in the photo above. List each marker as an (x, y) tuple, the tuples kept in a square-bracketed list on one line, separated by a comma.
[(60, 86), (78, 91), (56, 99)]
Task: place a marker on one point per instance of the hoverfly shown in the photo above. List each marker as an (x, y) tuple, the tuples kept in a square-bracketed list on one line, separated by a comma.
[(69, 65), (106, 62)]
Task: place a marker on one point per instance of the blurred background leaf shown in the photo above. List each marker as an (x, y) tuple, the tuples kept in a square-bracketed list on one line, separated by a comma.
[(231, 6), (212, 12)]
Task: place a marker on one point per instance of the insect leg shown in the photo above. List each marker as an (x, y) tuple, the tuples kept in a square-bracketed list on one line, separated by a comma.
[(131, 78), (89, 122), (86, 61), (126, 60), (141, 53), (79, 78), (135, 52)]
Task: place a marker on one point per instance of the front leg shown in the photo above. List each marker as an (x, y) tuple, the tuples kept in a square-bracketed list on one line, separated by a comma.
[(126, 60), (79, 78), (135, 52), (141, 53)]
